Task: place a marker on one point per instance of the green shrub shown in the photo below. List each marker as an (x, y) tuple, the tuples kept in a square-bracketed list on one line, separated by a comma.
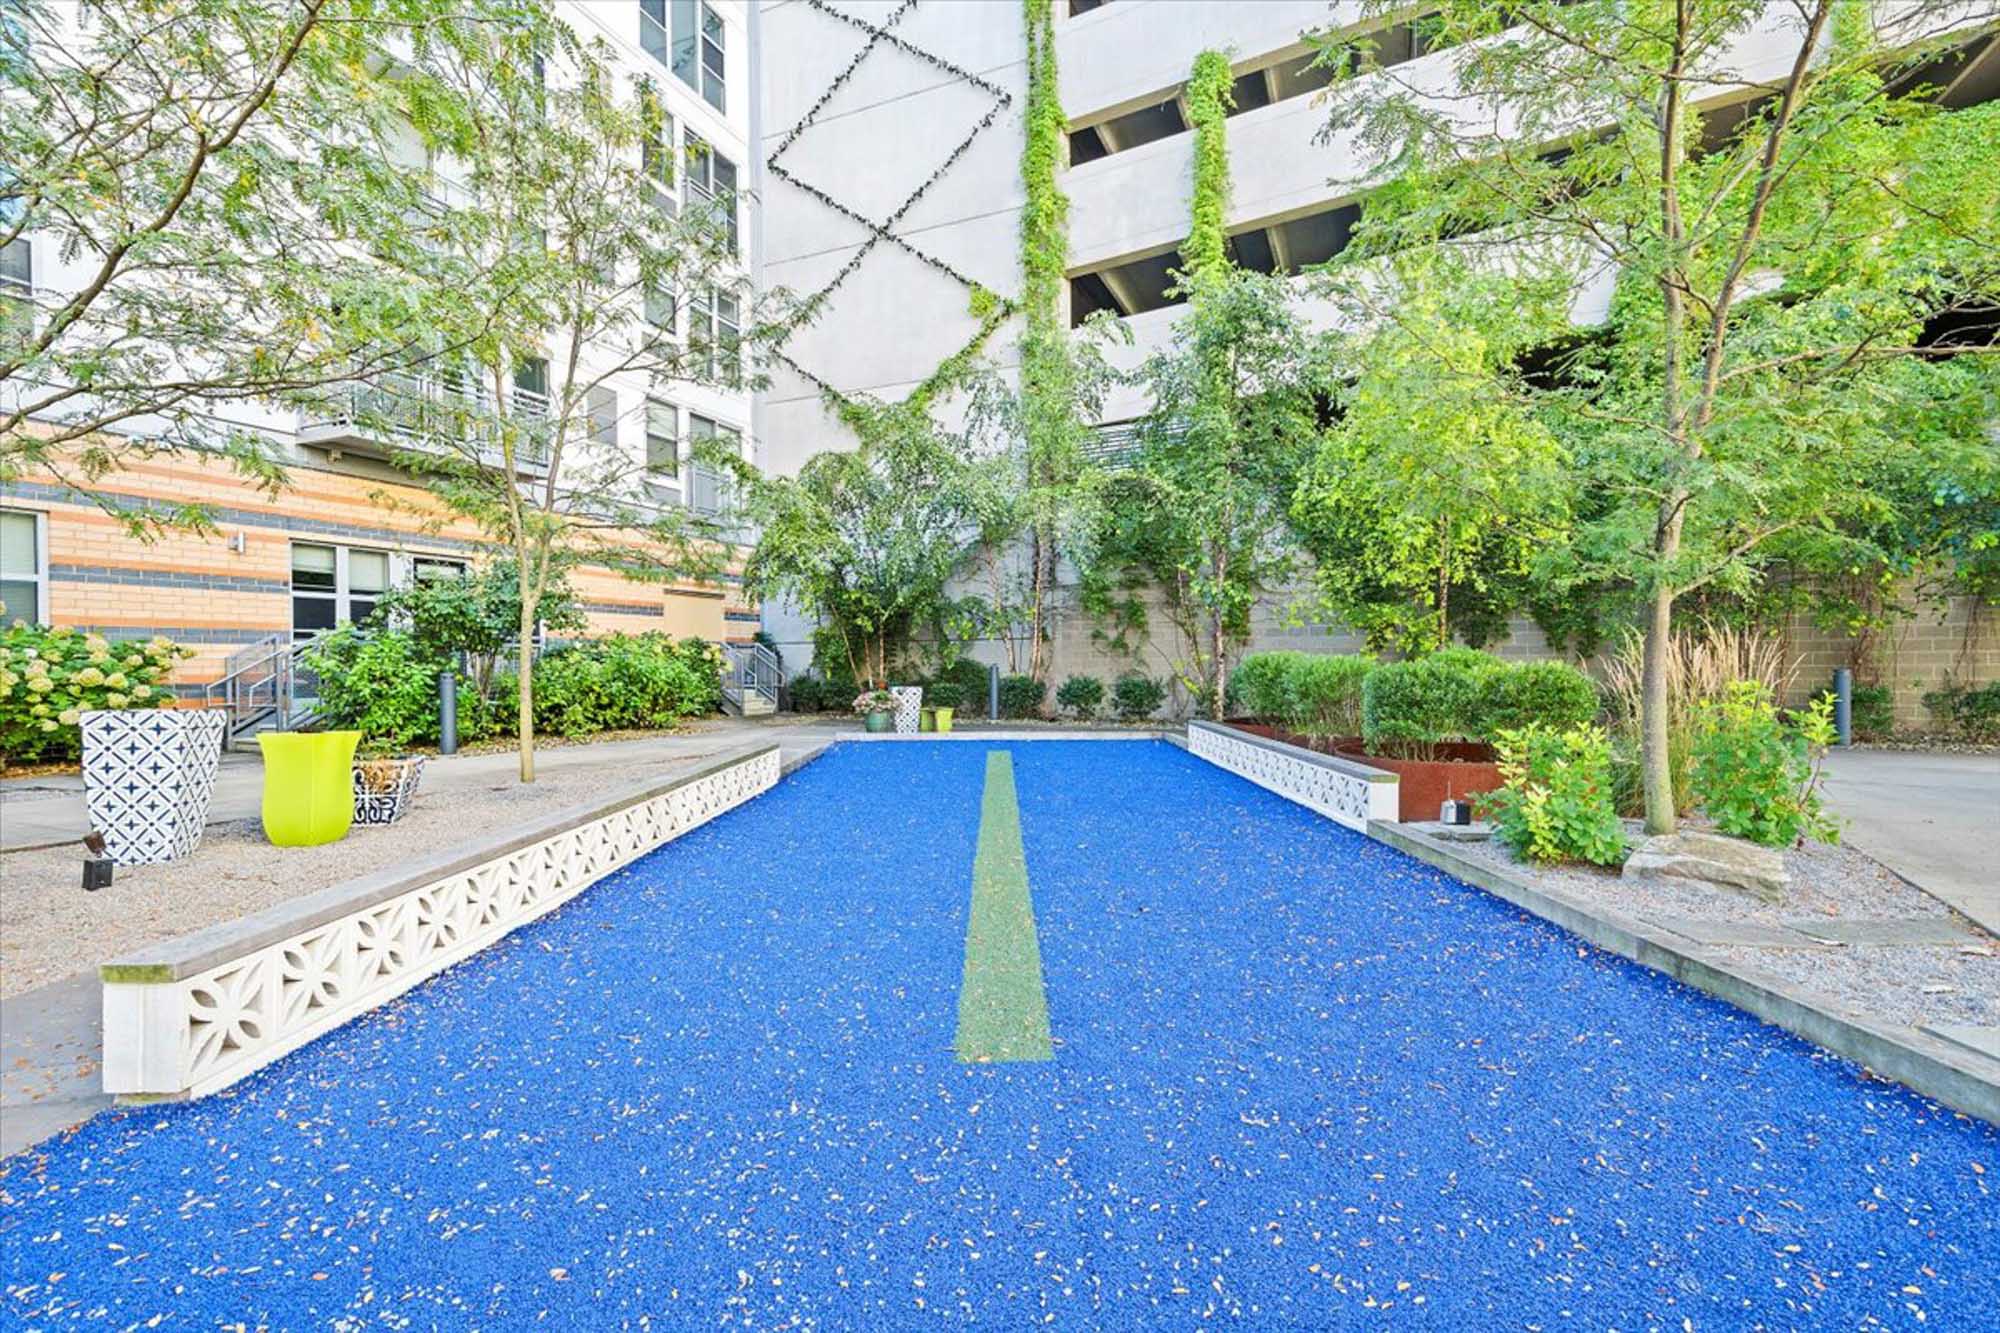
[(1458, 656), (1410, 710), (968, 675), (1323, 693), (814, 693), (1022, 696), (1556, 803), (1259, 685), (1136, 697), (383, 685), (1971, 711), (1550, 694), (945, 694), (1081, 695), (49, 677), (1872, 711), (625, 681), (1754, 776), (1312, 694)]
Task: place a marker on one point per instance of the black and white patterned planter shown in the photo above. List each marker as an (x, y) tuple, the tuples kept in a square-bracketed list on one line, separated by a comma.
[(909, 708), (148, 774), (386, 805)]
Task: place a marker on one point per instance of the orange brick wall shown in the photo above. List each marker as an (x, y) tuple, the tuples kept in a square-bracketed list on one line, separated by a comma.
[(200, 591)]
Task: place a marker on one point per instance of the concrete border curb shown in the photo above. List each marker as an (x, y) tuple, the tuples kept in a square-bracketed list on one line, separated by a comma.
[(1940, 1070)]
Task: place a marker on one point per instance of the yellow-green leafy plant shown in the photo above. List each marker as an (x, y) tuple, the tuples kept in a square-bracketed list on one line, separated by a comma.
[(1758, 777), (1555, 803), (50, 677)]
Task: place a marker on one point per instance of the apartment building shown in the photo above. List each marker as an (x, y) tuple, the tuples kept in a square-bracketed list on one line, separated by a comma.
[(351, 525), (894, 184)]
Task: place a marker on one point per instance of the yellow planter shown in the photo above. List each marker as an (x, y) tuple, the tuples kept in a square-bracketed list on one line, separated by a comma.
[(308, 786)]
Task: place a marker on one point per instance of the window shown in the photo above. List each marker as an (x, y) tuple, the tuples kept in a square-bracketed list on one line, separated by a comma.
[(715, 337), (531, 386), (660, 309), (668, 31), (712, 64), (431, 569), (335, 585), (711, 186), (728, 342), (710, 490), (24, 575), (663, 448), (601, 407), (17, 264), (657, 160)]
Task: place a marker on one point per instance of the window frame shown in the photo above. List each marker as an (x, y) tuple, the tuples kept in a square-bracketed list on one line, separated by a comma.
[(657, 479), (40, 575)]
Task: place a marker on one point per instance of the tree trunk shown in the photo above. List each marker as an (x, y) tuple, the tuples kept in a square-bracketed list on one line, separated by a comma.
[(1655, 706), (525, 716)]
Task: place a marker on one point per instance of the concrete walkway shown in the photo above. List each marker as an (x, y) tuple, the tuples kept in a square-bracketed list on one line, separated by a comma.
[(1932, 818), (43, 812)]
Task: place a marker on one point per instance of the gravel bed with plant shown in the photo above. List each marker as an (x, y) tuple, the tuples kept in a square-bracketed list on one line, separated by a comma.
[(1902, 984)]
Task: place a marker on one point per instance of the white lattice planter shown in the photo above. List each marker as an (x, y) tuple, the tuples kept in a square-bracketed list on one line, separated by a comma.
[(1342, 790), (190, 1016), (909, 708), (148, 774), (384, 788)]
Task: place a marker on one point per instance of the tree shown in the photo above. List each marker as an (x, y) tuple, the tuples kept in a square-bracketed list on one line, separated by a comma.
[(1203, 512), (558, 267), (220, 176), (866, 540), (476, 616), (1425, 510), (1777, 259)]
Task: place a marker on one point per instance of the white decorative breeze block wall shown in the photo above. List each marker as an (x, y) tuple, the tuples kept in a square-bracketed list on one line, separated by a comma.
[(187, 1036), (1345, 792), (148, 774)]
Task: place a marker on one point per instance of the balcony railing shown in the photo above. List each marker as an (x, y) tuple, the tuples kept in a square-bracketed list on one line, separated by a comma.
[(436, 415)]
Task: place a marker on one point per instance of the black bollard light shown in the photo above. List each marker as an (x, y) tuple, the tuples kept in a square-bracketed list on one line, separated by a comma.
[(447, 713), (1843, 704), (993, 693)]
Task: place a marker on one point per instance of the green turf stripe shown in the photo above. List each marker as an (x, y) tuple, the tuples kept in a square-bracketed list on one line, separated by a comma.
[(1003, 1013)]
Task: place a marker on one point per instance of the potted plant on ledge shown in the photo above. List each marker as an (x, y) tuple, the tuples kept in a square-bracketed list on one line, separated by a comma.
[(877, 709), (384, 785)]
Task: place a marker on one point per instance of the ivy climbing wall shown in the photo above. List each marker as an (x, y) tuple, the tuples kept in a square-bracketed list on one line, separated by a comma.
[(892, 193)]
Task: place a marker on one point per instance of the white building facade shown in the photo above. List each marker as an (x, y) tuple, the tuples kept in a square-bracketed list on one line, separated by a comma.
[(893, 140)]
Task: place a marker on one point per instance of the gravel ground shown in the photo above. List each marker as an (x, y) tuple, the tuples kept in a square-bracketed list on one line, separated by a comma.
[(1902, 984), (50, 928), (1299, 1081)]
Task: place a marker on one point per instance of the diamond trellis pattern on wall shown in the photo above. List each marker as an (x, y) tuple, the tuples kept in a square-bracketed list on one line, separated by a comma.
[(217, 1026), (147, 778), (880, 230), (1344, 797)]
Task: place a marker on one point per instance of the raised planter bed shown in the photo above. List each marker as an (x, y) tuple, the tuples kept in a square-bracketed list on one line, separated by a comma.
[(1423, 785), (1343, 790)]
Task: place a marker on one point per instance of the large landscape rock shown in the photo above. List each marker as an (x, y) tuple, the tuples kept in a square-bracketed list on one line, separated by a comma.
[(1711, 858)]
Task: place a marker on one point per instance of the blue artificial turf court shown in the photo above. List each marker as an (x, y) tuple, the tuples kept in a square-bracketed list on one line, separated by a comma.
[(788, 1071)]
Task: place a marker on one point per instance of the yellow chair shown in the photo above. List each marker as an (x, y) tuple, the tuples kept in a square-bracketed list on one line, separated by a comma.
[(308, 786)]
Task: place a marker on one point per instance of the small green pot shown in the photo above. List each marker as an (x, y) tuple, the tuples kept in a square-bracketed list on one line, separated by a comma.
[(927, 720), (943, 719), (879, 721)]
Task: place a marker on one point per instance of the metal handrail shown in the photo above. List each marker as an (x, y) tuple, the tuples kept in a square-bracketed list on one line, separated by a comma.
[(751, 668), (260, 679), (425, 411)]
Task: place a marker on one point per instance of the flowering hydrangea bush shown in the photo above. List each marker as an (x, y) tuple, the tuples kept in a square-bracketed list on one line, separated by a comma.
[(48, 677)]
